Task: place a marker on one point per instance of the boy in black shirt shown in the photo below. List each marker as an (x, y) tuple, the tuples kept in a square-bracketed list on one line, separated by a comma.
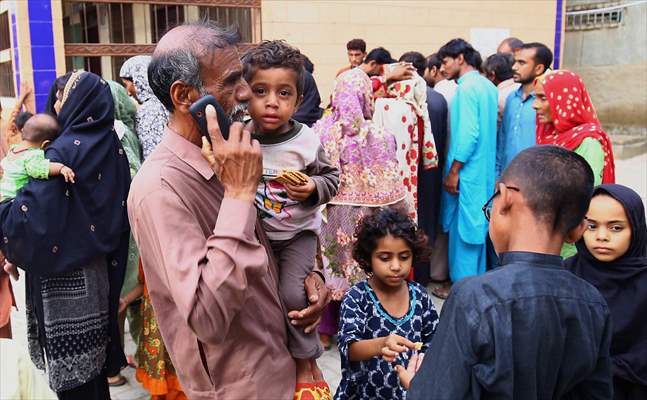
[(530, 329)]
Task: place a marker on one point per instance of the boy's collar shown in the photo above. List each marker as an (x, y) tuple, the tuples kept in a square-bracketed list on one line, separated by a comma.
[(281, 137), (512, 257)]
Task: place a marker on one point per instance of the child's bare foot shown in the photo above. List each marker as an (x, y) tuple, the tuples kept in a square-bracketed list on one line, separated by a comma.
[(304, 371), (317, 375)]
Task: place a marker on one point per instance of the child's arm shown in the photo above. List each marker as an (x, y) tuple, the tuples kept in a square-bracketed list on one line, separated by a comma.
[(388, 347), (130, 297), (61, 169), (429, 321), (322, 184)]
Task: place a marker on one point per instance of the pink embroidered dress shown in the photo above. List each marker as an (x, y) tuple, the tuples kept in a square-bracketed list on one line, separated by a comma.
[(369, 174)]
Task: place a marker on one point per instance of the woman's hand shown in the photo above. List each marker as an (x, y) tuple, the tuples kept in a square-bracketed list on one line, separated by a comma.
[(400, 72)]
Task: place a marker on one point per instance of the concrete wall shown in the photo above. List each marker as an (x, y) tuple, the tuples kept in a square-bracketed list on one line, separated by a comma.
[(322, 28), (613, 65), (625, 44)]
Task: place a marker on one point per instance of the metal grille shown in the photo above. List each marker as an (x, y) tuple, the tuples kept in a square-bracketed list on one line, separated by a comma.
[(6, 80), (594, 19), (5, 42), (164, 18), (238, 17)]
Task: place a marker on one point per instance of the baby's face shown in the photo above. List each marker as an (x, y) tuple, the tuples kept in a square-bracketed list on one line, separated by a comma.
[(608, 232)]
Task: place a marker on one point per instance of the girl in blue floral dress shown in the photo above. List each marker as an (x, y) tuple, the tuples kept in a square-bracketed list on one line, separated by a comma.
[(384, 319)]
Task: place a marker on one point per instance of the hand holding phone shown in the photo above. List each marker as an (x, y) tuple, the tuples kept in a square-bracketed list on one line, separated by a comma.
[(237, 161), (197, 110)]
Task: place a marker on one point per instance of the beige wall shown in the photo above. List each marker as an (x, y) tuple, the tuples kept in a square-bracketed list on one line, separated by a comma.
[(322, 28)]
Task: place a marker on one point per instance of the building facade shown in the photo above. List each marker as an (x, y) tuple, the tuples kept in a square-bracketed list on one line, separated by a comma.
[(41, 39)]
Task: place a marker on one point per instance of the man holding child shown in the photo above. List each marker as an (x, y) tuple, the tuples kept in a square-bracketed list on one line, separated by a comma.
[(212, 280)]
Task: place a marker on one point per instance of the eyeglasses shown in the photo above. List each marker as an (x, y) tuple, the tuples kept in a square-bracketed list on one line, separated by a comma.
[(487, 208)]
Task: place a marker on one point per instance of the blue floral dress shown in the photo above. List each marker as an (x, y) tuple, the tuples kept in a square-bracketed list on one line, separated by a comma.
[(363, 317)]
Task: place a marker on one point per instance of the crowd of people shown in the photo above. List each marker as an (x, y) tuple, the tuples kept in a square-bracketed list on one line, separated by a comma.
[(240, 253)]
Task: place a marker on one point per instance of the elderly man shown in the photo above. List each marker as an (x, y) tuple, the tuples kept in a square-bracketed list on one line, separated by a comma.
[(207, 263)]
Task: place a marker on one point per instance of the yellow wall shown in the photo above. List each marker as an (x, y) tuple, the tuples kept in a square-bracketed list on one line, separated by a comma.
[(322, 28)]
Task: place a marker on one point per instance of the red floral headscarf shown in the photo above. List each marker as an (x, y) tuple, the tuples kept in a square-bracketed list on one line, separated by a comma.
[(574, 118)]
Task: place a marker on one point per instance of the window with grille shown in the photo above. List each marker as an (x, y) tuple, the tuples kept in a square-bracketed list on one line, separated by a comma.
[(101, 34), (165, 17), (239, 18), (6, 80), (7, 88), (594, 19), (5, 41)]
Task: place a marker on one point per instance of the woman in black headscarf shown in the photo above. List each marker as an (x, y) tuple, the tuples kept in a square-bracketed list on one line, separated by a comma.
[(72, 241), (612, 256)]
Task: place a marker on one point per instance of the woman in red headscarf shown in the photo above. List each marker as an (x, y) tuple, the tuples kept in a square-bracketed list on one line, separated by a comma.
[(566, 117)]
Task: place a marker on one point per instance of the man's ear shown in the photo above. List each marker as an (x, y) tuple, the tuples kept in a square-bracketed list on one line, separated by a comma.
[(576, 233), (539, 69), (182, 96), (460, 59)]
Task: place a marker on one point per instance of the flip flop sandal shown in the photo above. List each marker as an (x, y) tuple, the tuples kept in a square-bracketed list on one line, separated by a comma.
[(306, 391), (324, 390)]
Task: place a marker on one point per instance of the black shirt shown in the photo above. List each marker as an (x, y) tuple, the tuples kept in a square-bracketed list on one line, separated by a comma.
[(527, 330)]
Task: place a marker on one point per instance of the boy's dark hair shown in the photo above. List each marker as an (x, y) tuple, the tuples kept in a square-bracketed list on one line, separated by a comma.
[(380, 55), (274, 54), (356, 44), (22, 118), (434, 61), (543, 55), (40, 127), (387, 221), (500, 64), (557, 184), (417, 59), (456, 47), (513, 43)]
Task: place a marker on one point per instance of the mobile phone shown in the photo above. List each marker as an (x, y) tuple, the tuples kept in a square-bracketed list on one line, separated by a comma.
[(197, 110)]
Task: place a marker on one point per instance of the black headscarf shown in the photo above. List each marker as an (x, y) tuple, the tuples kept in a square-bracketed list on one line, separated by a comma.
[(309, 111), (623, 283), (53, 227)]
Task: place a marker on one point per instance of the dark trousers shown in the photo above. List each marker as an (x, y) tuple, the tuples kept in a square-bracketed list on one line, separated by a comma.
[(296, 259), (96, 389)]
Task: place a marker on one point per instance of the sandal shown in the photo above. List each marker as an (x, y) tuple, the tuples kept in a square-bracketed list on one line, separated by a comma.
[(120, 381), (323, 390), (306, 391)]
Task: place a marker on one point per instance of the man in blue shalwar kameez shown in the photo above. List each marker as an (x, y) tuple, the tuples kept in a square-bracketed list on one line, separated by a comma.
[(471, 158)]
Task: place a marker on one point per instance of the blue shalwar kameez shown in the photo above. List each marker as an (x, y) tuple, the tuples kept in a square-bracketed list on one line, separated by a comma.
[(472, 142)]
